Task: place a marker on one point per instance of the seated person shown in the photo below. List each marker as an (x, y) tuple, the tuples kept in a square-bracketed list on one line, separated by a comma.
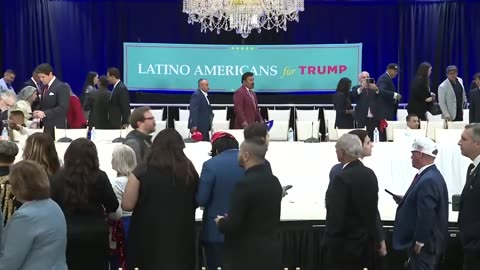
[(17, 124), (413, 122)]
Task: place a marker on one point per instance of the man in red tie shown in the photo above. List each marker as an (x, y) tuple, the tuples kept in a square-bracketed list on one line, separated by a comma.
[(421, 221), (245, 103)]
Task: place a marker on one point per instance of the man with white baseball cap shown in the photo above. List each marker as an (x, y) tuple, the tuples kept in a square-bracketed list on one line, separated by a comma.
[(421, 222)]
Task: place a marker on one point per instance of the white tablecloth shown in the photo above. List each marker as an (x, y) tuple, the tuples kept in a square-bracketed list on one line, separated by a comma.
[(307, 166)]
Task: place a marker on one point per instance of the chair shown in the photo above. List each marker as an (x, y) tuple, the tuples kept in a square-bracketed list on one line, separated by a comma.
[(448, 135), (304, 130), (220, 125), (402, 114), (184, 114), (279, 131), (341, 132), (466, 115), (159, 126), (431, 117), (70, 133), (307, 115), (219, 115), (279, 115), (456, 125), (182, 128), (432, 126), (329, 118), (158, 114), (394, 125)]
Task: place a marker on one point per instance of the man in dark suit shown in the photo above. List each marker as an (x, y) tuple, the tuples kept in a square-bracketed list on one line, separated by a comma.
[(352, 207), (34, 81), (421, 222), (98, 104), (201, 115), (474, 109), (251, 226), (385, 83), (119, 100), (469, 215), (370, 109), (245, 104), (54, 102), (217, 180)]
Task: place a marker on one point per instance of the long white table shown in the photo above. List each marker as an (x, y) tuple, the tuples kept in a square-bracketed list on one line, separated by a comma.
[(307, 166)]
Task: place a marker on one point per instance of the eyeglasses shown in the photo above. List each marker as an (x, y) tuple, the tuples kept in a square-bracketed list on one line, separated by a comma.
[(149, 118)]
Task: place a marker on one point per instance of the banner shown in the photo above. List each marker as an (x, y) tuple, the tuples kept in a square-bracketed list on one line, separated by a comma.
[(276, 68)]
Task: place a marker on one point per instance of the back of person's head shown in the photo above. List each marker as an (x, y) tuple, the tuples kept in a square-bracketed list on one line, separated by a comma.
[(29, 181), (252, 152), (8, 152), (26, 93), (255, 130), (137, 115), (344, 85), (80, 172), (360, 133), (103, 81), (40, 148), (223, 142), (124, 160), (350, 146), (166, 153)]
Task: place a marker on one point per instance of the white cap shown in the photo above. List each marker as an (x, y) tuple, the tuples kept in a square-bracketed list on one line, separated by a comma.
[(426, 146)]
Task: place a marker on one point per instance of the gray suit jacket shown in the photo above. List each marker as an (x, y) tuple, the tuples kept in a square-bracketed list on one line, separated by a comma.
[(447, 99), (35, 238)]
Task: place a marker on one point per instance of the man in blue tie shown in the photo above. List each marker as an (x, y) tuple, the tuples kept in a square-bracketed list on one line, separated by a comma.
[(421, 222)]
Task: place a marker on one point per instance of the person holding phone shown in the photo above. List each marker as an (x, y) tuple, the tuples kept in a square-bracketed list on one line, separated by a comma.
[(370, 110), (421, 221)]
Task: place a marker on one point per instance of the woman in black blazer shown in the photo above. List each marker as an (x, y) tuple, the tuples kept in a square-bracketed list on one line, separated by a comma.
[(421, 99), (343, 104)]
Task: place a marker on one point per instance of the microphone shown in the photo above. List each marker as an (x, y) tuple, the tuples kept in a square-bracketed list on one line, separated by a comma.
[(65, 139), (119, 139), (312, 139)]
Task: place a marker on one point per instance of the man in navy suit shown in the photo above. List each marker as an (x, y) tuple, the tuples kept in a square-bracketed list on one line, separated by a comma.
[(385, 83), (474, 112), (217, 180), (421, 222), (201, 114)]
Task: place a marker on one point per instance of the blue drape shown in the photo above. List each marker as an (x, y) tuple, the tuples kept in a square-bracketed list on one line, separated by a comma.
[(83, 35)]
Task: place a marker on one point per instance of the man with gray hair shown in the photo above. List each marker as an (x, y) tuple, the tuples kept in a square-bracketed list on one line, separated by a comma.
[(352, 208), (451, 96), (7, 100), (469, 215)]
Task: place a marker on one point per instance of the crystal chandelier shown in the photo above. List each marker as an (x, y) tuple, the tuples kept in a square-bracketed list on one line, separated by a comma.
[(243, 16)]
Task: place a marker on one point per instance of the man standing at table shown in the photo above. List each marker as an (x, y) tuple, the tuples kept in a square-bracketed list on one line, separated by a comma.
[(119, 111), (245, 104), (251, 226), (469, 214), (421, 222), (201, 115), (54, 102)]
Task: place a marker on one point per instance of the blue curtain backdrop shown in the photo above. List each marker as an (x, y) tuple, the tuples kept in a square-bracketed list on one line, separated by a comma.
[(83, 35)]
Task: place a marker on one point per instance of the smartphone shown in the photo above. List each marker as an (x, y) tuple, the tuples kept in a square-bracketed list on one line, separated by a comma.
[(370, 80)]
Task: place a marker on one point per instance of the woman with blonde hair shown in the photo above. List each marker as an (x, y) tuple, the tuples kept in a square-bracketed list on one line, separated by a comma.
[(40, 148)]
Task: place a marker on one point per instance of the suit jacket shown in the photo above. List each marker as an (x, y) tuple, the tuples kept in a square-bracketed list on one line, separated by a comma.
[(55, 103), (245, 107), (468, 217), (341, 104), (419, 91), (201, 115), (369, 98), (251, 228), (352, 208), (474, 109), (119, 109), (385, 83), (42, 246), (98, 103), (217, 181), (422, 215), (447, 99)]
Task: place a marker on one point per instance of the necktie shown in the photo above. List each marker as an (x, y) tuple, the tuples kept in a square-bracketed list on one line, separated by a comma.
[(470, 169), (45, 91)]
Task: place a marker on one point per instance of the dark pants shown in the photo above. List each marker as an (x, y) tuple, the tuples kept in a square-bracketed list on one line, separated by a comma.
[(459, 116), (471, 261), (213, 253), (423, 261)]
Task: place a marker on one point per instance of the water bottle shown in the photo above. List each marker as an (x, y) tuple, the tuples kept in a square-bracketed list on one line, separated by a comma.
[(93, 134), (376, 136), (5, 134), (290, 135)]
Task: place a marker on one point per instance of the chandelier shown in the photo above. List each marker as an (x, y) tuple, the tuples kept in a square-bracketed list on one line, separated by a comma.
[(243, 16)]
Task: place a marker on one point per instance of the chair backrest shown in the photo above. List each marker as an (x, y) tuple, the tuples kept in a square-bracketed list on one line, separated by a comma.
[(456, 125), (182, 128), (448, 136), (183, 114), (394, 125), (220, 125), (279, 131), (308, 115), (431, 117), (158, 114), (219, 115), (466, 115), (305, 130), (329, 118), (279, 115), (70, 133), (402, 114), (432, 126)]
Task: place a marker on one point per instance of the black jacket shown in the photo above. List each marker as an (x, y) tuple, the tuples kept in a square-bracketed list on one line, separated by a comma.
[(98, 103), (119, 110), (468, 216)]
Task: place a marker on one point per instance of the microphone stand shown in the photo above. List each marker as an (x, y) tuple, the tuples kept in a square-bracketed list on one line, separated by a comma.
[(120, 139), (65, 139), (312, 139)]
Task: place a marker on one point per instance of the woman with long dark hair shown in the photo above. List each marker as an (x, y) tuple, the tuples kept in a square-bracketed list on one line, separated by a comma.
[(40, 148), (85, 195), (89, 85), (421, 99), (161, 193), (343, 104)]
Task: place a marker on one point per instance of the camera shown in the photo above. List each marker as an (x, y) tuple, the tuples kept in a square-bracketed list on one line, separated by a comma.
[(370, 81)]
